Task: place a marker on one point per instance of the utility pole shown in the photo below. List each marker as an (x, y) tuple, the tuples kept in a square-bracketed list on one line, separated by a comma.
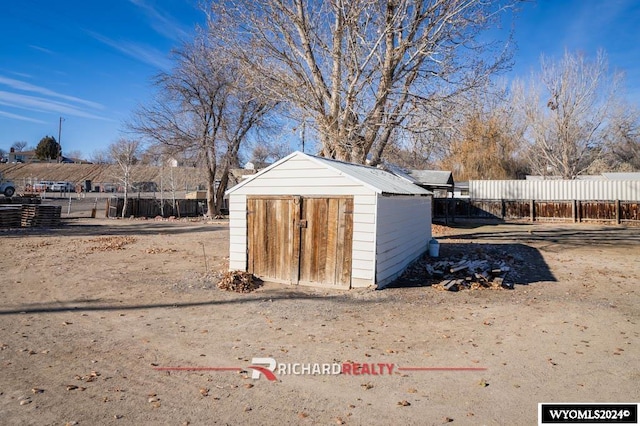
[(59, 138)]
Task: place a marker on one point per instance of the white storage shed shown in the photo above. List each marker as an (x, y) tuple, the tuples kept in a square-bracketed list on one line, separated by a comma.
[(314, 221)]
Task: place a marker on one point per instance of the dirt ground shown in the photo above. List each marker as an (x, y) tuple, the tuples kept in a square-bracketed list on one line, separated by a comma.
[(91, 312)]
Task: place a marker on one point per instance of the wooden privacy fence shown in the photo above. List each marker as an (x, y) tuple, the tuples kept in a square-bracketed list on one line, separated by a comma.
[(566, 211), (153, 207)]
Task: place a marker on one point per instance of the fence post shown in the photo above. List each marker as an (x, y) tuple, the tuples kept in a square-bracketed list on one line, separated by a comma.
[(532, 210), (574, 210), (446, 211), (503, 210), (579, 208), (618, 221)]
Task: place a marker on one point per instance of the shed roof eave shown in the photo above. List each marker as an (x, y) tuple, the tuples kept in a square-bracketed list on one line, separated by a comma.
[(335, 166)]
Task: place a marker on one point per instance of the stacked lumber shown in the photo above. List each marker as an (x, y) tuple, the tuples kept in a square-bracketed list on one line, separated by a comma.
[(10, 216), (240, 282), (473, 275), (41, 216), (23, 199)]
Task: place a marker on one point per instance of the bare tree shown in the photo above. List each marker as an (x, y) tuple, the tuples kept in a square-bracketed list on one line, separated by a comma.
[(202, 108), (245, 111), (19, 146), (125, 153), (623, 147), (485, 137), (264, 154), (101, 156), (568, 113), (357, 67)]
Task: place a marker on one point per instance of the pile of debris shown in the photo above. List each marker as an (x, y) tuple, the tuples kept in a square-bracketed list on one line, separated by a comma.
[(471, 274), (479, 269), (239, 281)]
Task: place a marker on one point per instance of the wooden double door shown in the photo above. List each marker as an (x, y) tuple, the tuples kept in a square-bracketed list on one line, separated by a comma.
[(301, 240)]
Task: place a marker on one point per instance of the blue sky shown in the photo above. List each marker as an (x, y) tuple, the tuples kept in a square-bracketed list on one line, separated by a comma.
[(91, 62)]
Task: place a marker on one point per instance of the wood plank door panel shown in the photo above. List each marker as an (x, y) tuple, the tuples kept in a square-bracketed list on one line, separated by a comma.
[(271, 238), (326, 241)]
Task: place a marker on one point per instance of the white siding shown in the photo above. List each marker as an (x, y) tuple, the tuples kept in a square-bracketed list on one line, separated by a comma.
[(363, 252), (555, 190), (403, 233), (237, 232), (301, 176)]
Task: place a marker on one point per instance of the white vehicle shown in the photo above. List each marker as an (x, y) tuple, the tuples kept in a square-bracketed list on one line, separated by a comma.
[(7, 187), (63, 187), (44, 185)]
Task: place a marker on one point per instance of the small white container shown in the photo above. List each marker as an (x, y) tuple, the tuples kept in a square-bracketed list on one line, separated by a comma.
[(434, 247)]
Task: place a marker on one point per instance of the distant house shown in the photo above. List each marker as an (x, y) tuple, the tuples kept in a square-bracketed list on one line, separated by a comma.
[(70, 160), (440, 182), (22, 156), (461, 190)]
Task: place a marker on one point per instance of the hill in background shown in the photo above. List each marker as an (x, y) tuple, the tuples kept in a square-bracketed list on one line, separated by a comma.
[(101, 175)]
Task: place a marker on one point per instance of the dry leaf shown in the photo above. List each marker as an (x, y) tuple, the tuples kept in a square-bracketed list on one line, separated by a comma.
[(240, 282)]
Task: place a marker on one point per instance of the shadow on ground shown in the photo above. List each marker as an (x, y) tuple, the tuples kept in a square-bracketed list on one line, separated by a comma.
[(116, 227), (92, 305), (573, 236), (526, 264)]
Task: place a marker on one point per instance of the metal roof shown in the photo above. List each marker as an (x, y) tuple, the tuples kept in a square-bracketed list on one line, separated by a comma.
[(380, 181), (434, 178), (622, 176)]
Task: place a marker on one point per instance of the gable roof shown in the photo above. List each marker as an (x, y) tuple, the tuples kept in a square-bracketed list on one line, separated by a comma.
[(380, 181)]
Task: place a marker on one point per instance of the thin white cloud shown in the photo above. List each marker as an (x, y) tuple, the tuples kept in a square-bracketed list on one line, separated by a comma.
[(21, 117), (41, 49), (22, 74), (162, 22), (34, 103), (142, 53), (28, 87)]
